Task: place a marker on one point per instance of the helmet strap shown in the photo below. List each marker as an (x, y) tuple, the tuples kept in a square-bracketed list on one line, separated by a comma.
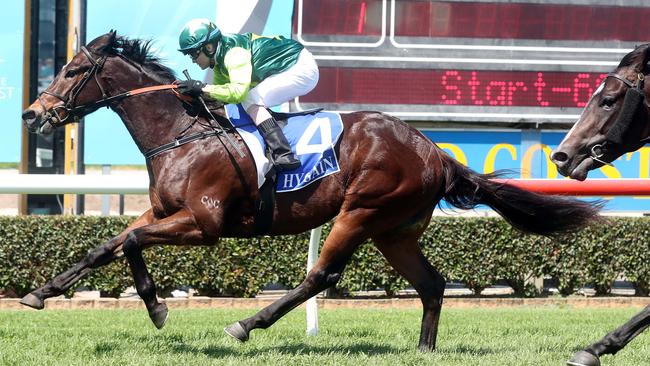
[(204, 49), (210, 54)]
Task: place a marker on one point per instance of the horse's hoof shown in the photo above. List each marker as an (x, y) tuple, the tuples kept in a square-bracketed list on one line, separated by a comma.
[(159, 316), (426, 348), (237, 331), (584, 358), (33, 301)]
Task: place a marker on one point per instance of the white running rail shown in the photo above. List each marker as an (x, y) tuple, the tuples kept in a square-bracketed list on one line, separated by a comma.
[(76, 184)]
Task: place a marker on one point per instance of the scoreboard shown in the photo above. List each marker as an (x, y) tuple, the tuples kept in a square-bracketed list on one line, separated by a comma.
[(453, 87), (479, 61)]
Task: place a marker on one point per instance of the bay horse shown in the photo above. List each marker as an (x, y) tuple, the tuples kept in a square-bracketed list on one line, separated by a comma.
[(390, 179), (614, 122)]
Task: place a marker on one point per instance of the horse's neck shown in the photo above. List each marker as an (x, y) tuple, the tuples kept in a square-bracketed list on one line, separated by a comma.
[(152, 119)]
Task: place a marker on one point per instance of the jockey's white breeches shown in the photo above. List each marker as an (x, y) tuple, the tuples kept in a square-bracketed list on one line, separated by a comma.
[(298, 80)]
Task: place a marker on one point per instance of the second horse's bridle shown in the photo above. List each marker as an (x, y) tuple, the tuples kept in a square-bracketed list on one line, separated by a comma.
[(632, 102)]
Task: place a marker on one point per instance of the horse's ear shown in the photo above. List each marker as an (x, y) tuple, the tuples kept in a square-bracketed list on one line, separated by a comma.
[(112, 35), (645, 67), (103, 42)]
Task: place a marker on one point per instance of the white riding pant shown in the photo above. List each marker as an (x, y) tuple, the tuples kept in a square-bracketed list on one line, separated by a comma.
[(296, 81)]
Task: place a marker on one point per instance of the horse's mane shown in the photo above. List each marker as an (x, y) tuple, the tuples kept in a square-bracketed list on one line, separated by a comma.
[(635, 57), (139, 51)]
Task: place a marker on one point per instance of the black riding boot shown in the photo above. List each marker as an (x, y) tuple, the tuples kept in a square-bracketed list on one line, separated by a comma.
[(283, 157)]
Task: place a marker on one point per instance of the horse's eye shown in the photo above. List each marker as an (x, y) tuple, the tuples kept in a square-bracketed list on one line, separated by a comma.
[(607, 103), (74, 72), (71, 73)]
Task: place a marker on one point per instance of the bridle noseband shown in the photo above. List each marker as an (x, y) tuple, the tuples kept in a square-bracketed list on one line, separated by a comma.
[(632, 102)]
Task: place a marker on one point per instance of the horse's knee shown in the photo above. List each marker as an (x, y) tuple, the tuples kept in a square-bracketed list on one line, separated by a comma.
[(98, 256), (131, 246), (323, 278), (332, 279)]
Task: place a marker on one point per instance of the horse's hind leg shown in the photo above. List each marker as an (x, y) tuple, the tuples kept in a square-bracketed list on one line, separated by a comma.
[(614, 341), (402, 251), (99, 256), (346, 235)]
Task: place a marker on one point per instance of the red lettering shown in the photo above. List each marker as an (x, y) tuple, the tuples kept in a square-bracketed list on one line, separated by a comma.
[(474, 83), (451, 75), (512, 87), (501, 94), (580, 83), (539, 85)]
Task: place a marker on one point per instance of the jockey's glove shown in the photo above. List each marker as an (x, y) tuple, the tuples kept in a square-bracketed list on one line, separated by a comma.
[(190, 87)]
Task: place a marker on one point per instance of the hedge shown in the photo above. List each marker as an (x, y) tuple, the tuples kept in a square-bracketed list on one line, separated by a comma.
[(476, 251)]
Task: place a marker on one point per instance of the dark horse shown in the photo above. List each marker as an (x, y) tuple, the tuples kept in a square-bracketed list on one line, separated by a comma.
[(614, 122), (391, 178)]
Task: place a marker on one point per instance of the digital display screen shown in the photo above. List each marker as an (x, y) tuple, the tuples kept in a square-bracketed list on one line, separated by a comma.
[(336, 17), (494, 20), (454, 87), (520, 21)]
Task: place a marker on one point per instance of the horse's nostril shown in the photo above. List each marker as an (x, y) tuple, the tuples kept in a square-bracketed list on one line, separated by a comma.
[(29, 115), (559, 157)]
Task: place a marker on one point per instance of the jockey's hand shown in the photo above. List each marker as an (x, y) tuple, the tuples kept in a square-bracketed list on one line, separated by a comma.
[(190, 87)]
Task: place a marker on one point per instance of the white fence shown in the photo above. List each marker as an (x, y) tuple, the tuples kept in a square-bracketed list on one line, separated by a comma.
[(73, 184)]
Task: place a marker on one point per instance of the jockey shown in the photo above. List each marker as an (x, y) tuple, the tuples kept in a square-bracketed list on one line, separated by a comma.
[(253, 70)]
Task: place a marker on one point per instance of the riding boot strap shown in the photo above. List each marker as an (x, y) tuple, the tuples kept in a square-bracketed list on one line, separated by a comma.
[(268, 125), (277, 142)]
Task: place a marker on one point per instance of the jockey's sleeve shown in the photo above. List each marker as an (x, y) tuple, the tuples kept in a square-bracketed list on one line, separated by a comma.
[(239, 64)]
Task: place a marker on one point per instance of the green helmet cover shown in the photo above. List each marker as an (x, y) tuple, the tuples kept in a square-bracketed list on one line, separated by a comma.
[(196, 33)]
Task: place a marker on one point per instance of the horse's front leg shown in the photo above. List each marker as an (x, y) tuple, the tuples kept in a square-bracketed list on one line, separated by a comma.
[(99, 256), (180, 228), (614, 341)]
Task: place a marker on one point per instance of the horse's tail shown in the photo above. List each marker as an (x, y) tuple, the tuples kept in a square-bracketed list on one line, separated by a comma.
[(525, 210)]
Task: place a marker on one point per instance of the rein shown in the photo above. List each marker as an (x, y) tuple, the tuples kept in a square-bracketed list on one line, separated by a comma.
[(104, 102)]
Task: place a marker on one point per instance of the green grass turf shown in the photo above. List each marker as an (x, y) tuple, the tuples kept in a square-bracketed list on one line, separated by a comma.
[(359, 337)]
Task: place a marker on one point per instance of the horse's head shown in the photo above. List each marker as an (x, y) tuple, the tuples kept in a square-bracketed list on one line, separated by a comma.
[(100, 75), (614, 121), (77, 85)]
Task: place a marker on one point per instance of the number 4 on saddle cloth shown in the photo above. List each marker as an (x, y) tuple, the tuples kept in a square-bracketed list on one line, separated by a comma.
[(312, 138)]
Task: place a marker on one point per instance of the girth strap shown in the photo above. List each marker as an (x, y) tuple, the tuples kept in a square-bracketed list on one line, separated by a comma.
[(179, 142), (265, 204)]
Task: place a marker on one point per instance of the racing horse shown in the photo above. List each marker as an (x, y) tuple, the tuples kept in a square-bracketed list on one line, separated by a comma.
[(614, 122), (390, 179)]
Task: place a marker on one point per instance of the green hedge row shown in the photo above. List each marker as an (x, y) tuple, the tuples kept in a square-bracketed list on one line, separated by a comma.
[(476, 251)]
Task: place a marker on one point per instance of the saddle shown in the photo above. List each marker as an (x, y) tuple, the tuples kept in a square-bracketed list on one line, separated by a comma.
[(314, 134)]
